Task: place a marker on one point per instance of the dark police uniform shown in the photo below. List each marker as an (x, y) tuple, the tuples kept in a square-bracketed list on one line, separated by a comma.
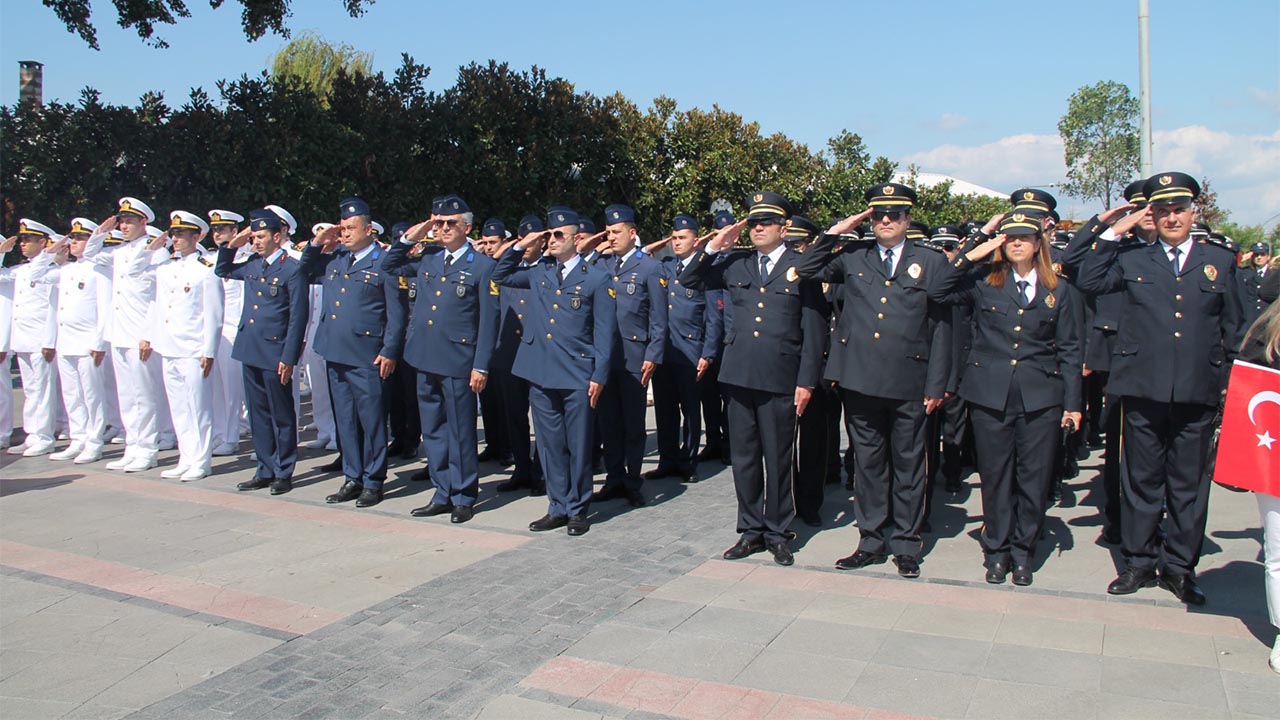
[(694, 332), (1251, 278), (714, 398), (497, 446), (895, 350), (364, 317), (272, 325), (954, 421), (1022, 371), (454, 329), (1178, 333), (513, 303), (774, 346), (639, 284), (567, 343), (402, 386)]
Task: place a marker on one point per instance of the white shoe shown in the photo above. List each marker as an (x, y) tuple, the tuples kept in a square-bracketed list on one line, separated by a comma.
[(318, 443), (88, 456), (111, 433), (1275, 655), (37, 450), (117, 440), (168, 444), (174, 473), (226, 449), (140, 464), (333, 445), (17, 449), (68, 454), (120, 463), (195, 474), (63, 435), (253, 457)]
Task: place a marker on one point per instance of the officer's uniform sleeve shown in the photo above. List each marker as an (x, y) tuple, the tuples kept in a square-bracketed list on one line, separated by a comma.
[(104, 299), (955, 283), (1078, 249), (1070, 330), (211, 287), (657, 288), (397, 260), (487, 333), (813, 329), (1100, 272), (604, 316), (713, 327), (1269, 288), (706, 270), (397, 317), (508, 271), (299, 309), (93, 249), (314, 262), (940, 345), (818, 262), (226, 265), (1232, 317)]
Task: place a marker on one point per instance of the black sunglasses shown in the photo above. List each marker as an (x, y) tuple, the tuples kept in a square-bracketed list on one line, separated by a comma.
[(765, 222), (890, 215)]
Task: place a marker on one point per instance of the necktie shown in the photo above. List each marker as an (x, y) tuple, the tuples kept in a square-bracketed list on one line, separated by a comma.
[(351, 261), (764, 268), (448, 261), (560, 273), (1022, 292), (1174, 253), (888, 263)]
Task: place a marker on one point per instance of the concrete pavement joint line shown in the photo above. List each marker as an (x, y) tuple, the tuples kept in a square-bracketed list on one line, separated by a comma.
[(1021, 602), (680, 697), (313, 512), (283, 615), (164, 607)]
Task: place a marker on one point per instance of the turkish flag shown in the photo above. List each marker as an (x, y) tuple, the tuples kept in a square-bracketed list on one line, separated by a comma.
[(1249, 444)]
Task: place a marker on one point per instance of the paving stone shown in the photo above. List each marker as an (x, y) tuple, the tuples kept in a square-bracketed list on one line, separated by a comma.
[(1041, 666), (913, 650), (913, 691), (805, 674), (999, 700), (1166, 682), (744, 626)]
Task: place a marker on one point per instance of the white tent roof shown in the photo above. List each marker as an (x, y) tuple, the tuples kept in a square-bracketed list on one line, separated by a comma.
[(958, 186)]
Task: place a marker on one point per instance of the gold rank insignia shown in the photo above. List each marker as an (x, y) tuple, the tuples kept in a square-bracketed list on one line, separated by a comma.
[(1211, 272), (758, 198), (404, 284), (1057, 270), (493, 288), (887, 190), (1050, 301), (1028, 195), (215, 218), (662, 282), (792, 274), (826, 287), (205, 262), (914, 271), (613, 293), (1165, 179)]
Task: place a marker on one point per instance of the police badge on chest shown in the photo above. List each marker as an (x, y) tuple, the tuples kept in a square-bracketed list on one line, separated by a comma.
[(461, 290), (575, 303), (275, 290)]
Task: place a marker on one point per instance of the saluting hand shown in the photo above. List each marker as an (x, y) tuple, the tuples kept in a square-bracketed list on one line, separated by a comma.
[(993, 223), (328, 239), (1127, 223), (726, 236), (653, 247), (385, 366), (1111, 216), (418, 233), (158, 241), (8, 244), (849, 223), (986, 248), (802, 398), (108, 225), (593, 393), (240, 240), (478, 381), (59, 246), (588, 243)]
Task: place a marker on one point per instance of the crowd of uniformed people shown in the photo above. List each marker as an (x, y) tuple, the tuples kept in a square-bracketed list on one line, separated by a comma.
[(1002, 344)]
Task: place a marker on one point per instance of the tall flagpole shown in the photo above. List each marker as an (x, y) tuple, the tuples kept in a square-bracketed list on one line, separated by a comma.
[(1144, 85)]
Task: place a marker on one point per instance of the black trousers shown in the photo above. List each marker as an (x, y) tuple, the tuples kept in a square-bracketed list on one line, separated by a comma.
[(676, 410), (495, 426), (811, 460), (763, 426), (1015, 452), (620, 420), (1112, 468), (402, 406), (1165, 445), (889, 451), (714, 401), (515, 411)]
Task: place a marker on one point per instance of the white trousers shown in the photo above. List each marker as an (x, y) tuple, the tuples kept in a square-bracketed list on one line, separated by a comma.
[(39, 398), (321, 405), (110, 397), (6, 403), (83, 391), (1269, 507), (228, 396), (140, 389), (190, 396)]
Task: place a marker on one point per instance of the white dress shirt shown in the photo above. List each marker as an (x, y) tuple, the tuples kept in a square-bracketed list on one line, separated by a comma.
[(186, 319)]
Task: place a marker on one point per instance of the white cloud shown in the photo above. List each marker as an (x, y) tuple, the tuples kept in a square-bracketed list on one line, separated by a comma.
[(1269, 100), (950, 122), (1243, 169)]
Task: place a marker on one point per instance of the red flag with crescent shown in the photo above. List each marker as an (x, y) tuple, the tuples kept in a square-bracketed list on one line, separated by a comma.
[(1249, 444)]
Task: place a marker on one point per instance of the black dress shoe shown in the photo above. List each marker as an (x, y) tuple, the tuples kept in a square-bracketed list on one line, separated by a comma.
[(396, 448), (280, 486), (908, 567), (743, 548), (782, 554), (811, 519), (997, 572), (689, 477), (431, 510), (1021, 575), (578, 525), (1131, 580), (1184, 588), (350, 490), (461, 514), (487, 454), (658, 474), (609, 492), (707, 454), (368, 498), (549, 522), (255, 484), (334, 465), (512, 483), (1094, 442), (423, 475), (860, 559), (634, 498)]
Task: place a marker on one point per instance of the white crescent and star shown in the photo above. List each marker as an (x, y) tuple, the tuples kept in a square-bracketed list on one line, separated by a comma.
[(1266, 396)]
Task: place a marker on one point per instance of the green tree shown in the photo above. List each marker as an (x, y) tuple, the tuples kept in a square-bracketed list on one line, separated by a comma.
[(257, 16), (1100, 141), (1207, 210), (315, 63), (1244, 235)]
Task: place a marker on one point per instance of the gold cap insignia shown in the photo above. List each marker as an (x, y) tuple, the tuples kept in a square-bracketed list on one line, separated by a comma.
[(758, 198), (1166, 179), (1019, 217), (175, 219), (887, 190), (77, 228), (22, 227), (215, 217), (1028, 195)]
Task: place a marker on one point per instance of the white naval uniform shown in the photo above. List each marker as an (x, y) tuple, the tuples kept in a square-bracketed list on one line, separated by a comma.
[(318, 374), (84, 296), (228, 378), (139, 385), (185, 325), (35, 328), (6, 379)]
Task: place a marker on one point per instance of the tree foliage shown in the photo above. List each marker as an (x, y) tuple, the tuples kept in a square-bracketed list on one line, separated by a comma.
[(315, 63), (257, 17), (1100, 141), (511, 142), (1206, 206)]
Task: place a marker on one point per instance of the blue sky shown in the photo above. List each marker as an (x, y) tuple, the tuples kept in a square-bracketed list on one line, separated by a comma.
[(973, 89)]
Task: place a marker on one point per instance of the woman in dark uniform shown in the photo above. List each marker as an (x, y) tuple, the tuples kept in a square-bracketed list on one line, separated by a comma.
[(1021, 380)]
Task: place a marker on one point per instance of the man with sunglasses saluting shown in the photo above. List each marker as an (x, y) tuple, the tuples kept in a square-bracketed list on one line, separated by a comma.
[(894, 358)]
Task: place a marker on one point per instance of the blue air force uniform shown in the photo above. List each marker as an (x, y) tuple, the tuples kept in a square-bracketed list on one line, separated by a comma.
[(695, 329), (453, 331), (567, 343), (639, 284), (363, 317), (272, 325)]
